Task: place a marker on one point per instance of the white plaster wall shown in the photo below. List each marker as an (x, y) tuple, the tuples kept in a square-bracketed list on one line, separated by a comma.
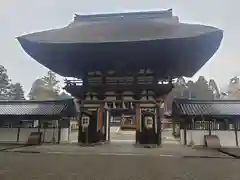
[(73, 137), (182, 136), (227, 138), (196, 137), (65, 135), (10, 134), (48, 136), (24, 133)]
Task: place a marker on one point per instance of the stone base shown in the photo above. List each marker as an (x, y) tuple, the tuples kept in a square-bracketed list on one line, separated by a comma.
[(92, 138), (93, 144), (146, 138), (147, 145)]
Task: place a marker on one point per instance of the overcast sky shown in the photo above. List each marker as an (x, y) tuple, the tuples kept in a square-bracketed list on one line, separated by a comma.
[(18, 17)]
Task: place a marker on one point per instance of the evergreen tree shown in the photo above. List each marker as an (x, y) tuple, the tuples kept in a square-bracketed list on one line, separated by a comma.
[(4, 83), (64, 95), (201, 90), (51, 82), (234, 88), (37, 90), (45, 88), (16, 92)]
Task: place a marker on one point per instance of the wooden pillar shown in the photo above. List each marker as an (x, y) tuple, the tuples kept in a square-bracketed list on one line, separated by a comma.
[(226, 123), (138, 114), (79, 127), (108, 120), (209, 127), (100, 118), (236, 132), (160, 98), (173, 127), (39, 126), (159, 124), (80, 107), (59, 131), (18, 132), (185, 132), (137, 121)]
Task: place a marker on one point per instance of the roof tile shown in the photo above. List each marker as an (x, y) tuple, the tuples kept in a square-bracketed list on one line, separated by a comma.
[(206, 107), (37, 108)]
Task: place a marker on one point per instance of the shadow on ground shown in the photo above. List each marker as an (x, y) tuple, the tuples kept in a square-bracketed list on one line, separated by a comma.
[(17, 166), (234, 152), (169, 150), (10, 146)]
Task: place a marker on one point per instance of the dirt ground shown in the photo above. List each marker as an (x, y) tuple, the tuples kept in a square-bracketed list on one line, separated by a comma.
[(115, 161), (24, 166)]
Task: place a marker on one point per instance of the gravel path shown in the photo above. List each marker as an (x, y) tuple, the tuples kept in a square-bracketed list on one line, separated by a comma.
[(16, 166)]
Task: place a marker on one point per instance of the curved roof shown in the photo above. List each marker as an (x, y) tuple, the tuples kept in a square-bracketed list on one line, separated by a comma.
[(155, 40), (136, 15), (191, 107), (38, 109)]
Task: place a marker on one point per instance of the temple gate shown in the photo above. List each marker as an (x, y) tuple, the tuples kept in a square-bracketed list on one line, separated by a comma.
[(100, 95), (124, 60)]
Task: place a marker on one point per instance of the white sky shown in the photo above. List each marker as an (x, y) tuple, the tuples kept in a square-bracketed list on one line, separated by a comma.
[(18, 17)]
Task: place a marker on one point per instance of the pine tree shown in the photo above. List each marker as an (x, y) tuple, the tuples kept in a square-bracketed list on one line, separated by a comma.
[(16, 92), (4, 83), (45, 88)]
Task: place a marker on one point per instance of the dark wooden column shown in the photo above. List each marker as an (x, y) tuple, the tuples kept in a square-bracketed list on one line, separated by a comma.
[(108, 127), (174, 127), (138, 120), (185, 124), (160, 98), (236, 131), (19, 129), (137, 96), (59, 131), (80, 131), (159, 124), (209, 120), (138, 123), (100, 123)]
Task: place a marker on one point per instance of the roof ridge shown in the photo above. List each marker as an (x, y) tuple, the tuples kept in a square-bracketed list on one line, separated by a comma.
[(206, 101), (34, 101), (111, 16)]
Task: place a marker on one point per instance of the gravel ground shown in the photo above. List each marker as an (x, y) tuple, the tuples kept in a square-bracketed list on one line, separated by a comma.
[(123, 148), (17, 166), (5, 146), (232, 151), (116, 161)]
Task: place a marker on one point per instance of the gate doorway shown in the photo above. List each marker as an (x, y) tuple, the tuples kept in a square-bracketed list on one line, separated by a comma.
[(122, 129), (103, 121)]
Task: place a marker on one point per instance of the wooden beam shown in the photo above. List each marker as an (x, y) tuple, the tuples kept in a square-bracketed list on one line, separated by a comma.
[(158, 89), (117, 101)]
